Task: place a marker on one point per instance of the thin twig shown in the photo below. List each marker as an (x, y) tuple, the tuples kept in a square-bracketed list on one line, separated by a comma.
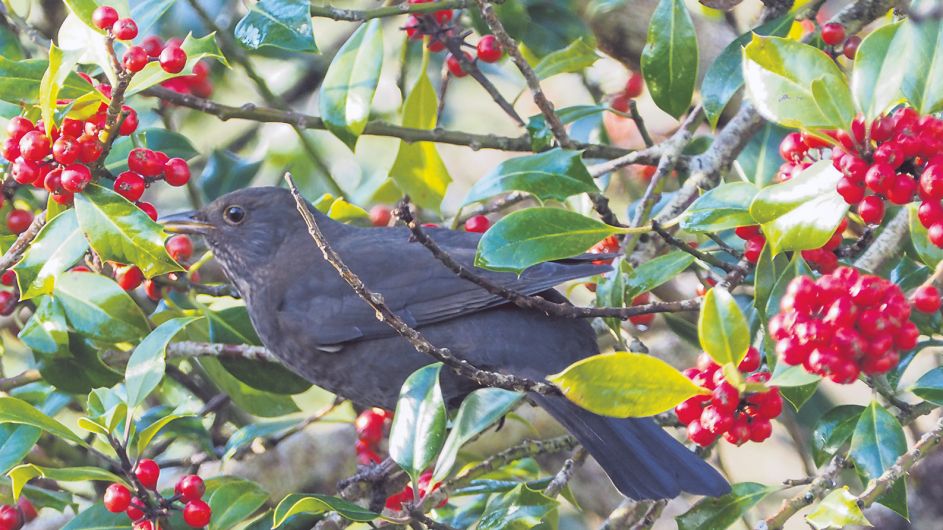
[(354, 15), (681, 245), (562, 478), (639, 123)]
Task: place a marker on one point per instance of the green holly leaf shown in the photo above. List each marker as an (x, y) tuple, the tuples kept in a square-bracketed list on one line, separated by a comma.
[(726, 206), (554, 174), (96, 307), (284, 24), (803, 212), (669, 59), (521, 507), (930, 386), (724, 511), (351, 82), (13, 410), (418, 430), (232, 501), (20, 475), (760, 160), (19, 81), (878, 74), (574, 58), (921, 43), (624, 384), (929, 253), (833, 431), (875, 445), (57, 247), (779, 75), (656, 272), (535, 235), (251, 400), (120, 231), (295, 504), (147, 363), (722, 328), (96, 517), (197, 49)]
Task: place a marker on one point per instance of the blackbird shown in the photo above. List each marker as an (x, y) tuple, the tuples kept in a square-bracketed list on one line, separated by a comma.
[(318, 327)]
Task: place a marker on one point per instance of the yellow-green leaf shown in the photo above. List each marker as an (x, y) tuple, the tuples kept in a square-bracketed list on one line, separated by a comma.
[(623, 384), (13, 410), (351, 81), (722, 328), (838, 510), (317, 504), (20, 475), (57, 247)]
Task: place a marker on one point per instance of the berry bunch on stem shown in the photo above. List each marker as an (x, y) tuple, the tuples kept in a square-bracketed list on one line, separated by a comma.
[(737, 414), (398, 500), (13, 517), (372, 426), (148, 505), (821, 259), (845, 324)]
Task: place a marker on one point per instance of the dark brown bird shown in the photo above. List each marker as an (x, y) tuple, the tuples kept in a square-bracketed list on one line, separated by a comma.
[(312, 320)]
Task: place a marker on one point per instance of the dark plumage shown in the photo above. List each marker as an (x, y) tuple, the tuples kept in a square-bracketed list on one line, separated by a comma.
[(311, 319)]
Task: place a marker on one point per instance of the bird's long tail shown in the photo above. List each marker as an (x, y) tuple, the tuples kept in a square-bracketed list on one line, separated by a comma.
[(641, 459)]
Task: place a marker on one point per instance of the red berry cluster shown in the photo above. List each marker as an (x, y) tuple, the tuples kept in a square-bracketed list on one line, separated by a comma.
[(396, 501), (739, 417), (844, 324), (371, 425), (171, 58), (633, 89), (821, 259), (130, 277), (833, 34), (189, 491), (438, 26), (14, 517)]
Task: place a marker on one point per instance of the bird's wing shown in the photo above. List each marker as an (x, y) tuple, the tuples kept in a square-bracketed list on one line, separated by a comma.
[(414, 284)]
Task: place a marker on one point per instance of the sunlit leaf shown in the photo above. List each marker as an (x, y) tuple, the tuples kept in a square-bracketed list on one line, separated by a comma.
[(351, 81), (418, 430), (670, 56), (57, 247), (722, 328)]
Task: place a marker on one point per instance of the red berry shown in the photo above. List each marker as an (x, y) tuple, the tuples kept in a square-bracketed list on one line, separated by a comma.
[(34, 146), (370, 426), (750, 361), (489, 50), (935, 234), (880, 177), (634, 85), (129, 277), (24, 172), (27, 509), (443, 16), (792, 147), (152, 290), (365, 455), (927, 299), (148, 208), (690, 409), (436, 45), (197, 513), (176, 172), (135, 59), (748, 232), (130, 123), (144, 525), (699, 435), (412, 26), (931, 181), (75, 178), (145, 162), (11, 149), (104, 17), (380, 215), (10, 518), (8, 278), (147, 473), (91, 148), (725, 397), (8, 302), (871, 209), (760, 430), (620, 103), (716, 419), (190, 488), (850, 49), (130, 185), (180, 247), (833, 33), (53, 181), (66, 150), (124, 29), (152, 45), (753, 249), (902, 189), (455, 66), (173, 59), (117, 498), (18, 127), (477, 223), (19, 220)]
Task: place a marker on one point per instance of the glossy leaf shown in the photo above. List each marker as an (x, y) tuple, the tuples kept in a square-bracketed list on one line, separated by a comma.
[(797, 267), (669, 59), (96, 307), (724, 77), (96, 517), (726, 206), (930, 386), (519, 508), (46, 332), (232, 500), (624, 384), (51, 82), (120, 231), (246, 435), (256, 402), (348, 213), (722, 328), (319, 504), (197, 49), (722, 512), (478, 411), (656, 272), (541, 137), (282, 24), (923, 74), (574, 58), (418, 169), (779, 74), (225, 172), (803, 212), (19, 81), (767, 272), (833, 431), (875, 445), (839, 509), (147, 12), (879, 71), (791, 376), (152, 430), (80, 370), (351, 81), (20, 475), (760, 160), (418, 430), (83, 9), (147, 363), (555, 174), (83, 43), (16, 441), (58, 246), (929, 253), (535, 235)]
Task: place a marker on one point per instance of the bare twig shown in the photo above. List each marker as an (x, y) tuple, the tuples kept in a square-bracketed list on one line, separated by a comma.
[(12, 255), (681, 245), (354, 15), (386, 315), (562, 478), (23, 378)]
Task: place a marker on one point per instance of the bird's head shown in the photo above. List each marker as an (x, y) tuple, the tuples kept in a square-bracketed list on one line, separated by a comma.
[(244, 228)]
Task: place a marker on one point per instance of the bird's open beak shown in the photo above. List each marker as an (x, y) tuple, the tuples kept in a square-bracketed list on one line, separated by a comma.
[(185, 223)]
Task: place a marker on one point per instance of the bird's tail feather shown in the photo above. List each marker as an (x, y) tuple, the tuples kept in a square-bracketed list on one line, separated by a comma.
[(641, 459)]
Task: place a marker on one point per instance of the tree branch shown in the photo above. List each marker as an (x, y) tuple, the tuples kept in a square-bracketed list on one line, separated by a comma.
[(354, 15)]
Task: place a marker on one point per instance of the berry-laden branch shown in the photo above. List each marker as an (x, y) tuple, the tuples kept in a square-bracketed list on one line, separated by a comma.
[(386, 315), (405, 8), (16, 250), (524, 301)]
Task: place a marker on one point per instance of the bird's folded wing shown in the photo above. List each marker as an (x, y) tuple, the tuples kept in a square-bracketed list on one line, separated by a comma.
[(414, 284)]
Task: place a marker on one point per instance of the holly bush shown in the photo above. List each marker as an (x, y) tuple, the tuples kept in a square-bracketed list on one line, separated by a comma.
[(774, 196)]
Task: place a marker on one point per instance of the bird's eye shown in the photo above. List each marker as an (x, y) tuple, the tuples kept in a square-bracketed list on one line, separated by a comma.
[(234, 215)]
